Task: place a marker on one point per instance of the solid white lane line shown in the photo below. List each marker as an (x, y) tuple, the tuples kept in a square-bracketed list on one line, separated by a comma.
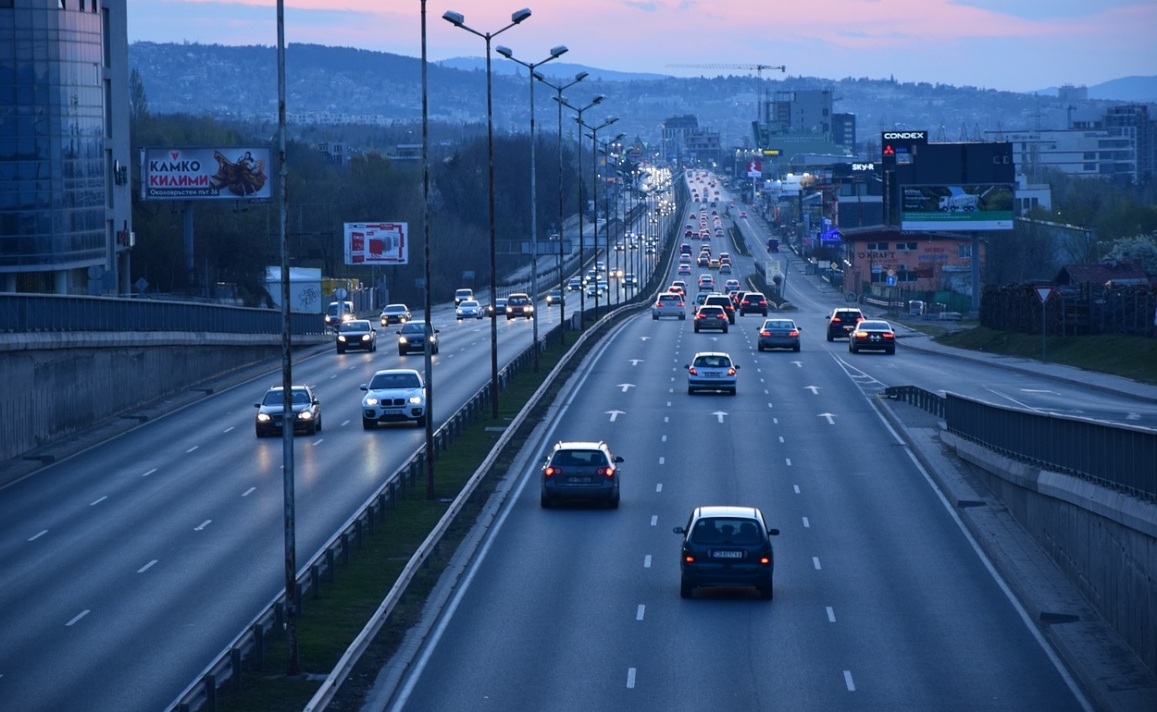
[(848, 681), (806, 523), (796, 488), (249, 491), (98, 501), (654, 519), (192, 449), (659, 487), (202, 526), (630, 678), (639, 613), (816, 561), (647, 561), (831, 615), (146, 567), (149, 472), (39, 535), (80, 615)]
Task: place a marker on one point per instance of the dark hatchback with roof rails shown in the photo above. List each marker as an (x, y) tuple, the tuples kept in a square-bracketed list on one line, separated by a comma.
[(581, 470), (726, 546), (842, 321)]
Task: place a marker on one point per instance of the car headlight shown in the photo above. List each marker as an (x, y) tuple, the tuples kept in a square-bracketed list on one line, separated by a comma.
[(415, 400), (529, 308), (263, 418), (402, 340), (341, 338), (305, 415), (370, 400), (365, 337)]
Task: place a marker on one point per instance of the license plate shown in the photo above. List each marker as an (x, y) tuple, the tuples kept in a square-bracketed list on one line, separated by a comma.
[(579, 480), (727, 554)]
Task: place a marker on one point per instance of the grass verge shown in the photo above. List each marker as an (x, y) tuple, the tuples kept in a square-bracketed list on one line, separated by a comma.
[(1131, 357), (331, 620)]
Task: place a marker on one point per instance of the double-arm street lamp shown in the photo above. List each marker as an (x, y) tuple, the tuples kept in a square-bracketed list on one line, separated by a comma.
[(594, 191), (554, 54), (605, 149), (456, 19), (561, 260), (582, 242)]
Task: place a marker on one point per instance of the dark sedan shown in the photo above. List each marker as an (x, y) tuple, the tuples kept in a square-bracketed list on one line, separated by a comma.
[(414, 335), (872, 335)]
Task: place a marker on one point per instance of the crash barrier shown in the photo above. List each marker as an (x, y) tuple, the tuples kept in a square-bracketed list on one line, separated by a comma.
[(46, 313), (201, 694), (1119, 457)]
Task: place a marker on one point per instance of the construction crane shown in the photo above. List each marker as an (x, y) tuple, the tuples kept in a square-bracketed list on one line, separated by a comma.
[(757, 68)]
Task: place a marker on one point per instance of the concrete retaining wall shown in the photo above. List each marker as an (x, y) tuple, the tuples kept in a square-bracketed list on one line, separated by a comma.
[(1104, 541), (58, 384)]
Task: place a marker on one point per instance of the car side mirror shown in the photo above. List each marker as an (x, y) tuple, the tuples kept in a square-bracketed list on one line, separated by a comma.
[(678, 530), (687, 366), (773, 532), (256, 405), (618, 458), (364, 387), (736, 366)]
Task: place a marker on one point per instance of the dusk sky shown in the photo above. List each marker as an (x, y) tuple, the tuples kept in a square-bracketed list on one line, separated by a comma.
[(1015, 45)]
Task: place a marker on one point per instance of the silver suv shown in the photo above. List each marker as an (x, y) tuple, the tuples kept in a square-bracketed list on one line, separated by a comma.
[(581, 470), (669, 304)]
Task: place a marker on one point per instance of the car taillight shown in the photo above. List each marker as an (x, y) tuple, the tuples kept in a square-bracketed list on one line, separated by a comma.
[(765, 332), (680, 303), (692, 371), (606, 471), (689, 559), (765, 560), (731, 372), (888, 335), (793, 332), (552, 471)]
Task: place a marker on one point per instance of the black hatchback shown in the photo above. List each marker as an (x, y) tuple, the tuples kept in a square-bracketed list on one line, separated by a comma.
[(581, 470), (726, 546)]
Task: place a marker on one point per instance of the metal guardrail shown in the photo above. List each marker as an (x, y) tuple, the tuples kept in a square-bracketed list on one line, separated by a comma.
[(39, 313), (202, 692), (1115, 456)]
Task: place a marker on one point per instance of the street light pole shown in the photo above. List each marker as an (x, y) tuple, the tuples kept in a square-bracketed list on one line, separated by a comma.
[(595, 192), (582, 242), (456, 19), (561, 287), (554, 54), (429, 305)]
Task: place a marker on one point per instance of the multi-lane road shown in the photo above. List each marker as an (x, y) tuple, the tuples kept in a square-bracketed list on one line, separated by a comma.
[(130, 566)]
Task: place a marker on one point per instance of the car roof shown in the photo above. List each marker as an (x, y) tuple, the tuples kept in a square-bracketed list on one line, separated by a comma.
[(875, 324), (580, 445), (353, 324), (390, 371), (728, 511), (396, 306)]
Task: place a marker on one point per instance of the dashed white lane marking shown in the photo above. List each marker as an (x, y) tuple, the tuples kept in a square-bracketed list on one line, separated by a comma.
[(344, 423), (647, 561), (775, 421), (202, 526), (654, 519), (630, 678), (831, 615), (80, 615), (806, 523), (848, 681), (662, 460), (781, 438), (192, 449), (639, 613), (664, 438), (146, 567), (816, 561), (249, 491), (38, 535), (149, 472), (659, 487), (319, 441), (98, 501), (796, 488), (788, 461), (227, 429)]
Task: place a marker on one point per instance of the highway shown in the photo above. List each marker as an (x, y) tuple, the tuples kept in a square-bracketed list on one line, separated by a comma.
[(881, 601), (132, 565)]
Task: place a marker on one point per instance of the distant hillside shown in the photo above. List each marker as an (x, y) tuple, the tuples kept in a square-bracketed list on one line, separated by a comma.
[(1134, 89), (501, 65)]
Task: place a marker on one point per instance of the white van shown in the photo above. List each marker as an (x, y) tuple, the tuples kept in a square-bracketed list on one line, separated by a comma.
[(462, 295), (338, 312)]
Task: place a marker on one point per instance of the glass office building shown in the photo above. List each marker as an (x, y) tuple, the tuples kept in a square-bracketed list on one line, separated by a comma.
[(64, 199)]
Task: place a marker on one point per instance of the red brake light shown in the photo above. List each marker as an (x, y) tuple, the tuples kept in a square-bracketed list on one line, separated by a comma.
[(680, 303), (693, 372), (765, 560), (888, 335), (552, 471), (608, 471), (731, 372), (793, 332)]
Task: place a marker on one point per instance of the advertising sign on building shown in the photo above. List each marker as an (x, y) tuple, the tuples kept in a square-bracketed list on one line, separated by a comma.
[(956, 207), (381, 243), (206, 174)]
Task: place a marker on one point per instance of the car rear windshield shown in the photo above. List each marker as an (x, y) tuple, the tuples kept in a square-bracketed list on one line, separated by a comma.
[(578, 458), (726, 530), (848, 315), (713, 362)]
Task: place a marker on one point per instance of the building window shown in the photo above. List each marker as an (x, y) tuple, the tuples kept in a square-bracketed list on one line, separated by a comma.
[(906, 246), (877, 246)]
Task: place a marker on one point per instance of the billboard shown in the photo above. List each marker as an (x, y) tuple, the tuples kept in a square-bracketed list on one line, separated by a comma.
[(956, 207), (380, 243), (206, 174)]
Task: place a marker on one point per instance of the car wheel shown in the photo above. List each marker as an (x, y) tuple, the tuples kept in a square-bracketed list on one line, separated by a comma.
[(831, 338), (654, 317), (421, 422), (685, 588), (690, 391), (544, 501), (614, 503), (795, 348), (401, 352), (257, 432), (725, 330), (696, 328), (766, 592), (759, 347), (340, 350), (682, 317), (851, 349), (891, 351), (732, 391), (318, 428), (367, 424), (435, 350)]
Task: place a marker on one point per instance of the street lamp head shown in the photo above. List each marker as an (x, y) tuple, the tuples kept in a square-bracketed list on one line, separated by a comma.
[(598, 99), (504, 51), (581, 76), (558, 51), (454, 18), (520, 15)]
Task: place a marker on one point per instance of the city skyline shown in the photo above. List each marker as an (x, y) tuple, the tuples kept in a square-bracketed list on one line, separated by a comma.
[(1011, 45)]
